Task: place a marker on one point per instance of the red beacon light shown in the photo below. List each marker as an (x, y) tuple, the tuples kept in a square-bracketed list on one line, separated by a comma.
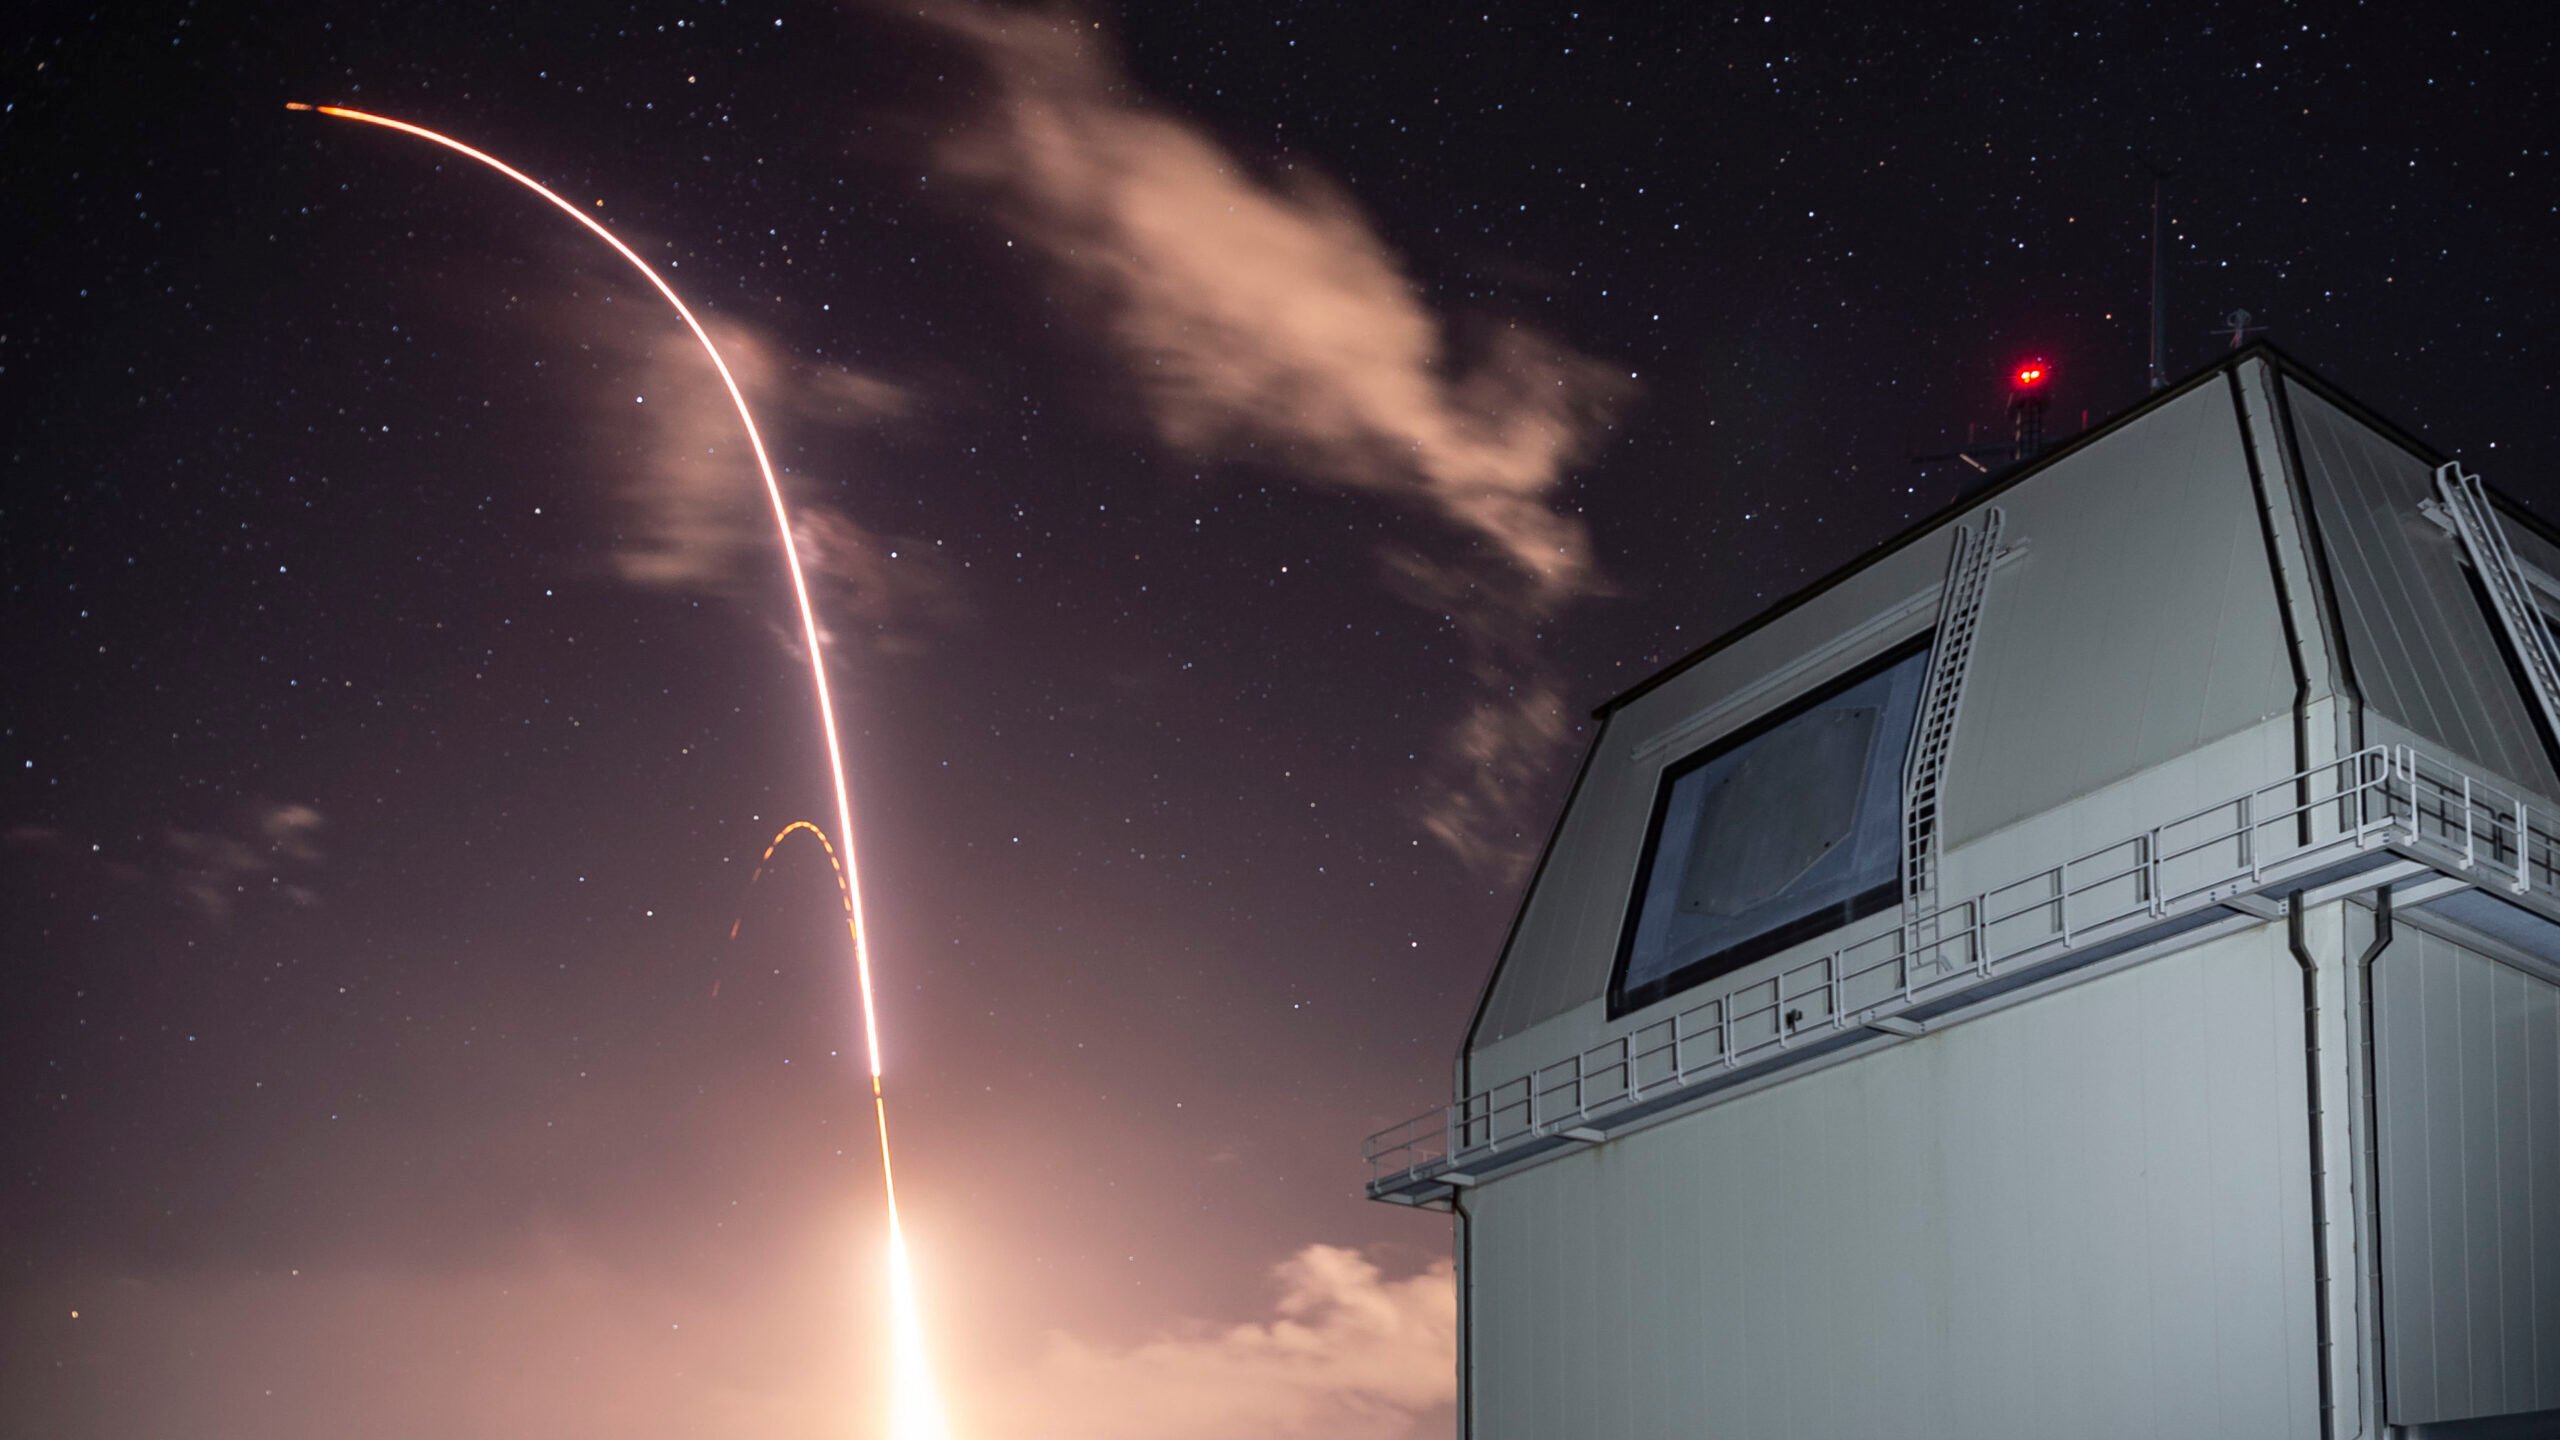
[(2026, 408)]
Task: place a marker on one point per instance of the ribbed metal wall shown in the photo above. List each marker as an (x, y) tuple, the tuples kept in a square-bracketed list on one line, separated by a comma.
[(2423, 653), (2468, 1053), (2085, 1216)]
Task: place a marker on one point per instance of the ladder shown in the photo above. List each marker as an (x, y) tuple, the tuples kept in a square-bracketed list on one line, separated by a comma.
[(1941, 698), (2467, 501)]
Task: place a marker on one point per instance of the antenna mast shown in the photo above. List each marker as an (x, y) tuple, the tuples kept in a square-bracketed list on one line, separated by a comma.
[(2159, 315)]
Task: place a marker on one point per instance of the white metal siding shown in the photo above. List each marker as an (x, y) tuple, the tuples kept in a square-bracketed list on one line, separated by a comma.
[(1568, 933), (2422, 652), (2469, 1061), (2206, 775), (2084, 1216), (2138, 625), (1568, 937), (2142, 624)]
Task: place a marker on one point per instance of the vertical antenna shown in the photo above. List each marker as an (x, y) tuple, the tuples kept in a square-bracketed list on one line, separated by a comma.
[(2159, 314), (2026, 409)]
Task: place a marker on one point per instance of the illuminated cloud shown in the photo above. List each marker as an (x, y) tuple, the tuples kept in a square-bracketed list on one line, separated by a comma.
[(1497, 756), (1261, 313), (1347, 1354), (888, 590), (1480, 796), (696, 521), (1265, 312), (214, 870)]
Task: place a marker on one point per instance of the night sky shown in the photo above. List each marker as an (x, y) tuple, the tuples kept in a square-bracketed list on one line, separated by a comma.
[(1239, 444)]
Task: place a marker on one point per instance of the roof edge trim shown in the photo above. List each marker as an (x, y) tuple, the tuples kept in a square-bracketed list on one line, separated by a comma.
[(2265, 350)]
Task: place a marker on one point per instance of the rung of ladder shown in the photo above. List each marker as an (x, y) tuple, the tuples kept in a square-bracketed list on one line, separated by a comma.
[(1941, 702), (2476, 522)]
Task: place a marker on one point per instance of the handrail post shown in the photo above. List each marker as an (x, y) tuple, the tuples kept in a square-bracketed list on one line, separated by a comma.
[(2409, 776), (2363, 807), (2248, 839), (2062, 897), (2389, 767), (2524, 847), (2364, 795)]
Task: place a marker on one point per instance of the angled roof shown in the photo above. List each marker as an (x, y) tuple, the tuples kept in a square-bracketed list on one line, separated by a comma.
[(2256, 350)]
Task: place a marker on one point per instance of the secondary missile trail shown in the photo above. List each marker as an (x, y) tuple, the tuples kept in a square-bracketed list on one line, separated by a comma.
[(916, 1411), (774, 844)]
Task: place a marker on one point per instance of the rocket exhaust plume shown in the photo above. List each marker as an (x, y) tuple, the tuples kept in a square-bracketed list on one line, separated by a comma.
[(915, 1405)]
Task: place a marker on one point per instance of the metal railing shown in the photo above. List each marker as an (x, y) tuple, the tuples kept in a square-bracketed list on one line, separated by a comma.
[(2287, 828)]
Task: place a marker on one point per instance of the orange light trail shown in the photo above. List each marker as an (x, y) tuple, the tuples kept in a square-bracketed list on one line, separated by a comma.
[(775, 844), (915, 1409)]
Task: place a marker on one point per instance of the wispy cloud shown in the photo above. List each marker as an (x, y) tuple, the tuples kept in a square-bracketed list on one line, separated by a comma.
[(1501, 751), (1266, 309), (1260, 309), (696, 519), (1348, 1353), (215, 869), (1479, 797)]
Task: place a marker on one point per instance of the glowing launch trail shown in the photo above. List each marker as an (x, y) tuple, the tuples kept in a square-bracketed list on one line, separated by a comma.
[(916, 1410)]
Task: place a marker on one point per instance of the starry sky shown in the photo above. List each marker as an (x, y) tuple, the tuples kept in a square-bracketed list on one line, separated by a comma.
[(1237, 447)]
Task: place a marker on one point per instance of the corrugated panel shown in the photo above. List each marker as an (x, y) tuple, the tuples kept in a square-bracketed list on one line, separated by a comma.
[(2084, 1216), (2142, 625), (2422, 652), (2468, 1055)]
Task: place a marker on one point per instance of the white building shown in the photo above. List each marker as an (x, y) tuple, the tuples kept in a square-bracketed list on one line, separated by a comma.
[(2089, 968)]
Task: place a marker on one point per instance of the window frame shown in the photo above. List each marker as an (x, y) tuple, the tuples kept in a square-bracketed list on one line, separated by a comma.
[(1716, 964)]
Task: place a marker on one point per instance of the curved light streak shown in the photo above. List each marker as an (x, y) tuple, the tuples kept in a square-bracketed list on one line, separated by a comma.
[(916, 1411), (785, 833)]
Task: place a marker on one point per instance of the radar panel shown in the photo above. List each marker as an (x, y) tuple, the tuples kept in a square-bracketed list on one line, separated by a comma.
[(1774, 834)]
